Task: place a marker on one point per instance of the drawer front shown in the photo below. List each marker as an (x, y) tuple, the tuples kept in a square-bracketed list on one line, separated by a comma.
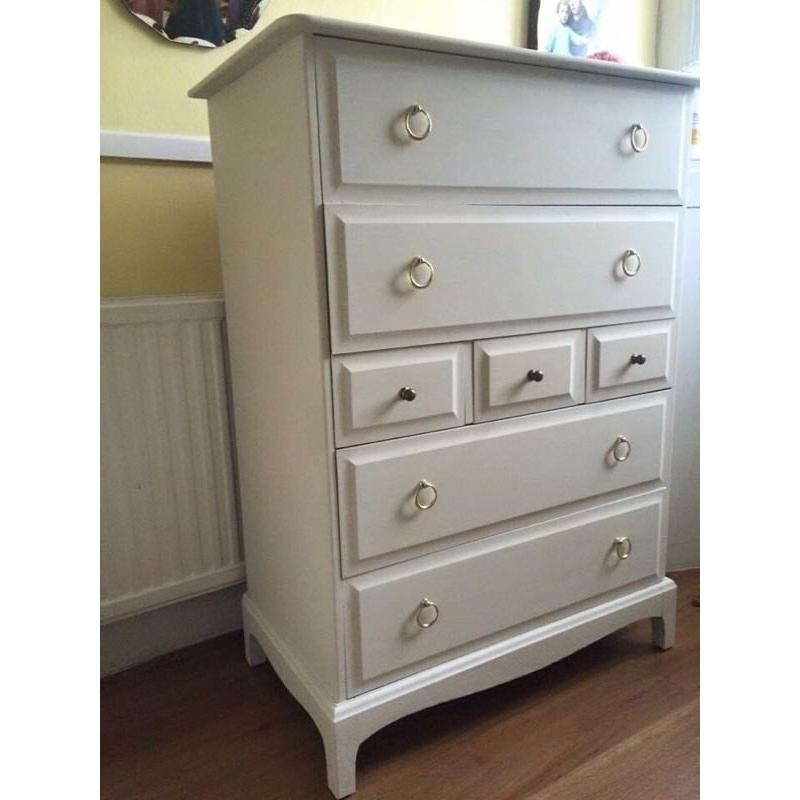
[(563, 136), (491, 473), (400, 392), (492, 265), (523, 374), (630, 359), (492, 586)]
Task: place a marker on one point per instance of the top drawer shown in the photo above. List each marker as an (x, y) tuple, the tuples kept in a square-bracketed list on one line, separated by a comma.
[(513, 132)]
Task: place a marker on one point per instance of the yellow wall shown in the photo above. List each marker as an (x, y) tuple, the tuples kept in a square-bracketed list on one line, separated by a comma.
[(144, 78), (158, 225), (158, 232)]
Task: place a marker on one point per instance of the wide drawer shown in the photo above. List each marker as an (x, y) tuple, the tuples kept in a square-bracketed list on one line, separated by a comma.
[(524, 374), (400, 392), (400, 494), (492, 266), (477, 591), (559, 136), (629, 359)]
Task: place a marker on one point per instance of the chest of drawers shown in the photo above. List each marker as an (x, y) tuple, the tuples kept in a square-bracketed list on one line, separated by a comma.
[(450, 274)]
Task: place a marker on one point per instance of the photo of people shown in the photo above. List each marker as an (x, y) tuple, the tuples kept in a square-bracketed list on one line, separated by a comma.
[(211, 23), (611, 30), (574, 28)]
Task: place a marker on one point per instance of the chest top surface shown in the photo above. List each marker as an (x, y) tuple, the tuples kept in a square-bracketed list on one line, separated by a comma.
[(292, 25)]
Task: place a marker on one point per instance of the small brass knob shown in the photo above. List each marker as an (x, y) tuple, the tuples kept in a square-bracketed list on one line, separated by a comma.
[(408, 393), (535, 375), (638, 358)]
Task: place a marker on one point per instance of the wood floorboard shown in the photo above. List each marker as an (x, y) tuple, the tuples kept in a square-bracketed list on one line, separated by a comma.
[(658, 756), (618, 720)]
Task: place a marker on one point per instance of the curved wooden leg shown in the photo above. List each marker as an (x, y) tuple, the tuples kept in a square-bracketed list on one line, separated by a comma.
[(663, 627), (341, 750)]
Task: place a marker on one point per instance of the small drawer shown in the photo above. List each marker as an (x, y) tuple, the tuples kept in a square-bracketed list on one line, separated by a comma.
[(629, 359), (400, 392), (412, 616), (523, 374), (395, 497)]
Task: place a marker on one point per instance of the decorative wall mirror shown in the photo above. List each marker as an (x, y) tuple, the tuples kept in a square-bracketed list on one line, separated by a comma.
[(209, 23)]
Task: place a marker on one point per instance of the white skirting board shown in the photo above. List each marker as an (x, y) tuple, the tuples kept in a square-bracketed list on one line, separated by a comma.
[(159, 147), (169, 520), (141, 637)]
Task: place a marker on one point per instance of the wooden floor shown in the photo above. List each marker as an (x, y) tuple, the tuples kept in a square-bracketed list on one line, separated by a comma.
[(616, 721)]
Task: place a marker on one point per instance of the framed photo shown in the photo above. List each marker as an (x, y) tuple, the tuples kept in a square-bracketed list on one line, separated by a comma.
[(606, 29)]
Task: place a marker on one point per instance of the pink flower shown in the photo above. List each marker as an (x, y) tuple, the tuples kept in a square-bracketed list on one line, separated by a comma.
[(605, 55)]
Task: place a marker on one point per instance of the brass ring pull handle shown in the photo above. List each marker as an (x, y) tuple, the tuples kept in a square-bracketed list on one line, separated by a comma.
[(422, 485), (631, 262), (425, 604), (621, 450), (410, 114), (639, 138), (623, 547), (418, 261)]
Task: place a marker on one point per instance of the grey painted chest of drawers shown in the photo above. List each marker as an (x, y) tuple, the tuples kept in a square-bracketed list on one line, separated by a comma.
[(451, 274)]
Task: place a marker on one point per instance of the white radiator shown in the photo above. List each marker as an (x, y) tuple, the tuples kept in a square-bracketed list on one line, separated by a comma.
[(169, 520)]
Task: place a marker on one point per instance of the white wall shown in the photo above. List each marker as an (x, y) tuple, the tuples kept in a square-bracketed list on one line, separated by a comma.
[(684, 508), (678, 34)]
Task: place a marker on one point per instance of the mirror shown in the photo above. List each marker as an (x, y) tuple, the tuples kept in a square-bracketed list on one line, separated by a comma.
[(209, 23)]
